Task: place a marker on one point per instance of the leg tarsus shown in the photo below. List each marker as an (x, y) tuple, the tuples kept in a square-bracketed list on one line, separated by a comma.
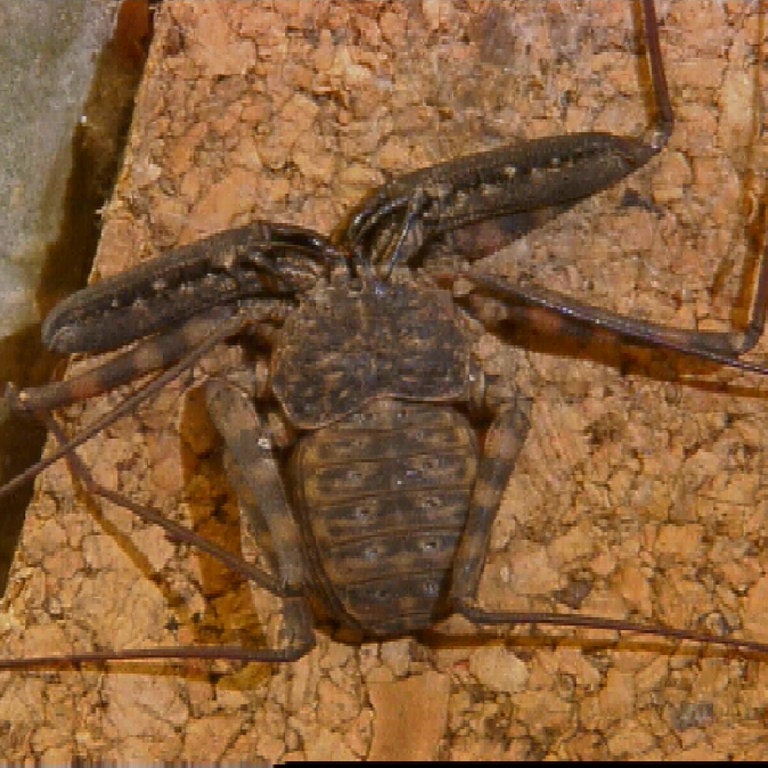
[(159, 653), (665, 118), (480, 617)]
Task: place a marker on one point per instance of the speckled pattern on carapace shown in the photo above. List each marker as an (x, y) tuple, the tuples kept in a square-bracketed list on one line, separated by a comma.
[(641, 495)]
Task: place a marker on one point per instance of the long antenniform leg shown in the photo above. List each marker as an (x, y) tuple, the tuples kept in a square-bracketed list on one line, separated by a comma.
[(720, 347)]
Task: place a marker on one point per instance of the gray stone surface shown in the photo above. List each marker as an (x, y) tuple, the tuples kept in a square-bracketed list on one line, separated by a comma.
[(48, 50)]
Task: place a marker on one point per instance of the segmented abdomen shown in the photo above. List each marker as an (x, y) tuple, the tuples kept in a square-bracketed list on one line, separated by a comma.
[(384, 496)]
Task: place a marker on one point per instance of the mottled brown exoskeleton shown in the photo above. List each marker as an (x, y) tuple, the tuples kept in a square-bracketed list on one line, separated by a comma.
[(380, 509)]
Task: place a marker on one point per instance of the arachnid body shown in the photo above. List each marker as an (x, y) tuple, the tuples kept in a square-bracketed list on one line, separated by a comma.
[(371, 245)]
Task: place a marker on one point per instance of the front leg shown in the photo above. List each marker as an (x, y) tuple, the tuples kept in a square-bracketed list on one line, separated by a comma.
[(253, 472)]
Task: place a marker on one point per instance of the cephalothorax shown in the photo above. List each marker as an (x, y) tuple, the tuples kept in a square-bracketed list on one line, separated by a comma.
[(379, 512)]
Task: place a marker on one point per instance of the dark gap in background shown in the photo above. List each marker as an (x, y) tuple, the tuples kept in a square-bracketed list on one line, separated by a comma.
[(97, 147)]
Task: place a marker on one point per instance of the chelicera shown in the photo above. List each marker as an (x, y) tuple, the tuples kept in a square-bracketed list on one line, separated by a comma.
[(380, 508)]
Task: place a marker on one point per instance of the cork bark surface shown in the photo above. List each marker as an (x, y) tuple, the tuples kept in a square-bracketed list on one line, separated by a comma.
[(641, 490)]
